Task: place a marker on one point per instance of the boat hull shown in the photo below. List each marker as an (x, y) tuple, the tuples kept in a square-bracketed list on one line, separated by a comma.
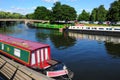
[(109, 31)]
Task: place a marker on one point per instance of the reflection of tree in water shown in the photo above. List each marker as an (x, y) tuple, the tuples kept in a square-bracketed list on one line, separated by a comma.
[(113, 49), (42, 34), (7, 27), (41, 37), (60, 40)]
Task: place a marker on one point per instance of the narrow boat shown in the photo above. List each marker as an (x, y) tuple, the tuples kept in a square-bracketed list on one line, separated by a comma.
[(95, 28), (99, 30), (34, 55)]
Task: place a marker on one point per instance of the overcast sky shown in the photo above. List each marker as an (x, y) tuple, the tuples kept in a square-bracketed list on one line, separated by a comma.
[(28, 6)]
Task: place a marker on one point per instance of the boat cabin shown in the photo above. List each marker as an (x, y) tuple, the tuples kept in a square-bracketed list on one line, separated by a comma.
[(32, 54)]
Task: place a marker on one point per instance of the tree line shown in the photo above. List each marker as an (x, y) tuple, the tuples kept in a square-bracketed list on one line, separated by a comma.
[(59, 12), (8, 15), (63, 12), (101, 14)]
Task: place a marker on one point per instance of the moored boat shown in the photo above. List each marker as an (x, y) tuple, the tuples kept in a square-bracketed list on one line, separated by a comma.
[(34, 55), (95, 28), (99, 30)]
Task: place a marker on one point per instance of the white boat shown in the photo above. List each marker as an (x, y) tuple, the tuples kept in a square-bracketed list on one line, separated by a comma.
[(95, 28), (99, 30)]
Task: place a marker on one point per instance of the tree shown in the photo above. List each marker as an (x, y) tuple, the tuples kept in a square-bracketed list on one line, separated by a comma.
[(114, 11), (30, 16), (84, 16), (17, 16), (41, 13), (101, 13), (63, 12), (2, 14), (93, 16), (57, 11), (10, 15), (68, 13)]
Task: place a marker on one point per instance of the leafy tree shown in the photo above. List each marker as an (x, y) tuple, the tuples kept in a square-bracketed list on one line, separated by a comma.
[(93, 16), (68, 13), (41, 13), (2, 14), (84, 16), (63, 12), (17, 16), (10, 15), (114, 11), (57, 11), (101, 13), (30, 16)]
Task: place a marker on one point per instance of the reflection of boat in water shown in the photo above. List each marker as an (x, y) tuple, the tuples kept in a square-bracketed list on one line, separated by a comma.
[(95, 37), (112, 44), (34, 55)]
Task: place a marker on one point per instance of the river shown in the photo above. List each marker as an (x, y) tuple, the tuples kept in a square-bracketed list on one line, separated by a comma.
[(90, 57)]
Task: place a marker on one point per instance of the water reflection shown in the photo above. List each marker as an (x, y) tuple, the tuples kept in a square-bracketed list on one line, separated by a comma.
[(11, 28), (60, 40), (113, 49), (82, 53), (2, 77), (112, 44), (95, 37)]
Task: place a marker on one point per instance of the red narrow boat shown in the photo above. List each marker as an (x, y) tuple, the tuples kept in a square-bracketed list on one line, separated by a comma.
[(35, 55)]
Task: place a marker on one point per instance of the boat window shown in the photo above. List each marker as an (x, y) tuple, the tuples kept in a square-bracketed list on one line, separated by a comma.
[(33, 59), (87, 27), (2, 46), (108, 28), (116, 29), (46, 53), (101, 28), (94, 28), (17, 52), (42, 55), (38, 56)]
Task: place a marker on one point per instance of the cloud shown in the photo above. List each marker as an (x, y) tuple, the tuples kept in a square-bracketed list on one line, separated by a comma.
[(53, 1), (73, 0), (50, 0), (49, 8), (87, 10), (20, 10)]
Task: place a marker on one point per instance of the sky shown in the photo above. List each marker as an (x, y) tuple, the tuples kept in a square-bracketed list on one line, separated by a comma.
[(28, 6)]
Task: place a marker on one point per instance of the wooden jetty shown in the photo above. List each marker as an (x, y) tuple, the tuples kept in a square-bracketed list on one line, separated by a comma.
[(15, 71)]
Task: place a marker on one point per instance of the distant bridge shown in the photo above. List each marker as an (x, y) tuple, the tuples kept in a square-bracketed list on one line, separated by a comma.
[(25, 20)]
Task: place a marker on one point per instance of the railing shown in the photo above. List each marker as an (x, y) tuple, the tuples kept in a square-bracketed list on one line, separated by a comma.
[(25, 20)]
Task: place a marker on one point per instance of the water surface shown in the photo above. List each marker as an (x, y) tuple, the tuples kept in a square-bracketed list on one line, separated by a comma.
[(90, 57)]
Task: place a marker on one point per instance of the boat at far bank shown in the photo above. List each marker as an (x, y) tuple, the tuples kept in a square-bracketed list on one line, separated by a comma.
[(104, 30)]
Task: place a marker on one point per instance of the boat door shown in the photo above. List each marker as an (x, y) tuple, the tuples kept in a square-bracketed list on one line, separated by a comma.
[(41, 57)]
